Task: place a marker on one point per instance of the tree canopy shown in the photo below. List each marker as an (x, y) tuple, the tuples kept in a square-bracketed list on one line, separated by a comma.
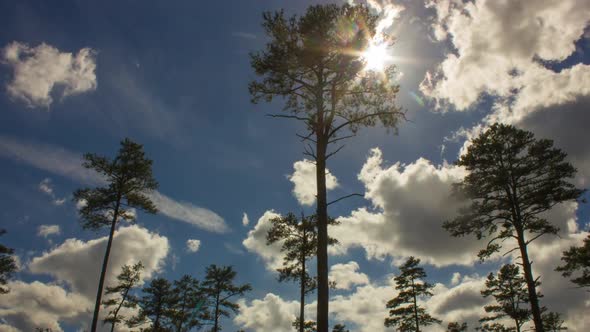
[(512, 180)]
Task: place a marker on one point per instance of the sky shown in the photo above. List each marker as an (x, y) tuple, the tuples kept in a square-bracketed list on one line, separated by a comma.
[(80, 76)]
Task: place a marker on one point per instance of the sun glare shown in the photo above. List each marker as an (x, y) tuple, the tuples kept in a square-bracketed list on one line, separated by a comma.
[(375, 57)]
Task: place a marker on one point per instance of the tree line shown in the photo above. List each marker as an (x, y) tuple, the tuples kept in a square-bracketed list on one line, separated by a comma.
[(179, 306)]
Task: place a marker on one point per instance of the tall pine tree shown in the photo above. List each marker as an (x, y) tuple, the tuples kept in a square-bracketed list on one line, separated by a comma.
[(405, 313), (157, 304), (128, 180), (513, 180), (315, 64)]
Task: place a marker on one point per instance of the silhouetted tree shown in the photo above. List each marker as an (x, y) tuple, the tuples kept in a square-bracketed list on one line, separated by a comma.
[(299, 243), (513, 180), (157, 304), (494, 327), (405, 313), (510, 291), (308, 326), (187, 309), (127, 280), (7, 265), (456, 327), (552, 322), (128, 180), (219, 287), (314, 63), (340, 328), (577, 259)]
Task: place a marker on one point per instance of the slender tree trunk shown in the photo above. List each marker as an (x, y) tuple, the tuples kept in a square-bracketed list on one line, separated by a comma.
[(105, 263), (322, 249), (216, 324), (415, 307), (303, 280), (116, 313), (530, 281)]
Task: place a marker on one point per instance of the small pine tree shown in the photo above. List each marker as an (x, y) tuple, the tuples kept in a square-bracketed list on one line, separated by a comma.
[(494, 327), (340, 328), (219, 287), (156, 304), (552, 322), (405, 313), (187, 310), (510, 291), (577, 260), (128, 279), (456, 327), (7, 265)]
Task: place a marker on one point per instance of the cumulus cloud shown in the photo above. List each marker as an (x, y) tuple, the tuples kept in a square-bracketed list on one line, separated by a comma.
[(500, 47), (68, 164), (74, 261), (74, 266), (346, 275), (31, 305), (270, 313), (255, 242), (48, 230), (193, 245), (304, 181), (411, 201), (502, 50), (245, 219), (37, 71)]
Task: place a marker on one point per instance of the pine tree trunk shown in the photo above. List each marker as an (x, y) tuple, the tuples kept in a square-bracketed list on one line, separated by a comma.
[(530, 281), (303, 280), (216, 324), (105, 263), (322, 249), (415, 307)]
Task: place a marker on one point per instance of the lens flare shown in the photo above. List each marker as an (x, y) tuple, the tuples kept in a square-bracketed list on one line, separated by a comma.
[(376, 57)]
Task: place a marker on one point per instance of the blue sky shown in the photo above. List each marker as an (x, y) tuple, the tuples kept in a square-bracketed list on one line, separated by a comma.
[(173, 76)]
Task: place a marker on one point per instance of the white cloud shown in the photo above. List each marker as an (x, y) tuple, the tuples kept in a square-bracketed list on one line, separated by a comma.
[(75, 265), (69, 164), (304, 180), (256, 242), (366, 307), (187, 212), (47, 230), (412, 203), (346, 275), (75, 261), (193, 245), (271, 313), (31, 305), (38, 70), (245, 219), (498, 46), (46, 187)]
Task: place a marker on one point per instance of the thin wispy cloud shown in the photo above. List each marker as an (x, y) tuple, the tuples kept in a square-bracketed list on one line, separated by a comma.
[(68, 164)]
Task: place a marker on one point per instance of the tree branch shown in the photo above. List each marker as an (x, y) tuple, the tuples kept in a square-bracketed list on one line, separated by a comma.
[(344, 197)]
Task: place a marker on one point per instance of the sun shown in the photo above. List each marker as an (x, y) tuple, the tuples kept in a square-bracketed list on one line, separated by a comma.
[(376, 57)]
